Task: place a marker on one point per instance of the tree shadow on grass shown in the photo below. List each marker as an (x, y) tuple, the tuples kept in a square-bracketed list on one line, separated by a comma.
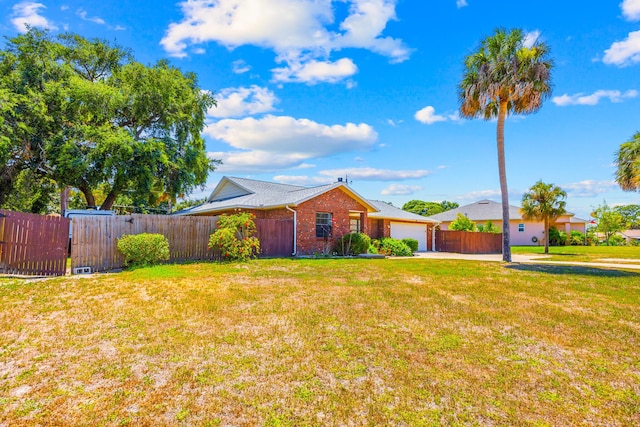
[(572, 270)]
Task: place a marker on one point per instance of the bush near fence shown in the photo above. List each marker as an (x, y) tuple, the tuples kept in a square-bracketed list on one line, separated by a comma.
[(94, 239)]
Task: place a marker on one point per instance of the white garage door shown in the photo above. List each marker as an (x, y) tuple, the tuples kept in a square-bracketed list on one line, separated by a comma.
[(402, 230)]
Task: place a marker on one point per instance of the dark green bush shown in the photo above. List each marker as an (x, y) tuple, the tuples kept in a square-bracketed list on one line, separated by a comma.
[(143, 249), (412, 243), (352, 244), (557, 238), (393, 247)]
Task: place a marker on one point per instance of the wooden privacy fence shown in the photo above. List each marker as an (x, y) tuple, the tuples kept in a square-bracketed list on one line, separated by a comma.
[(276, 237), (32, 244), (466, 242), (94, 239)]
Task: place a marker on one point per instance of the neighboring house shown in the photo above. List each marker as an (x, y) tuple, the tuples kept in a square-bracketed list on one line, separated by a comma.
[(631, 236), (523, 232), (318, 215)]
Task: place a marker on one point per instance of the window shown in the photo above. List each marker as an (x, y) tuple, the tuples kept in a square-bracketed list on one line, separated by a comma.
[(323, 224), (521, 228), (354, 225)]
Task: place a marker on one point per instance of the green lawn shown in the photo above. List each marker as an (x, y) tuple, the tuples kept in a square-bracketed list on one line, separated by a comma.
[(324, 342), (622, 254)]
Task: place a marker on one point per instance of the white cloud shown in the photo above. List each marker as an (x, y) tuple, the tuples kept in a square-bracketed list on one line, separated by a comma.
[(589, 188), (531, 37), (240, 67), (119, 28), (298, 31), (83, 15), (625, 52), (357, 174), (400, 190), (243, 101), (461, 3), (631, 9), (372, 174), (303, 180), (280, 142), (28, 13), (428, 116), (594, 98), (315, 71), (474, 196)]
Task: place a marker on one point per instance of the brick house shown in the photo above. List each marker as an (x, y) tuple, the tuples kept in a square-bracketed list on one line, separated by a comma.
[(311, 217)]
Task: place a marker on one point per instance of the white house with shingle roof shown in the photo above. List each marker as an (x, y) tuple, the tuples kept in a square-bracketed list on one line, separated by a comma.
[(523, 232)]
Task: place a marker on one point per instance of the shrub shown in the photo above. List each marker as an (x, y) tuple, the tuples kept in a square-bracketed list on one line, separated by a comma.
[(557, 238), (394, 247), (352, 244), (617, 240), (462, 223), (412, 243), (372, 250), (234, 237), (143, 249), (576, 238)]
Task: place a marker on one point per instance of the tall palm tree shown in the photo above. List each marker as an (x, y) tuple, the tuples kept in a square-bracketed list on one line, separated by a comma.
[(628, 161), (506, 75), (544, 202)]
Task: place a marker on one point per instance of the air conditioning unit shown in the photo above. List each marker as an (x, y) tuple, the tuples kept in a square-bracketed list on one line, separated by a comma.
[(82, 270)]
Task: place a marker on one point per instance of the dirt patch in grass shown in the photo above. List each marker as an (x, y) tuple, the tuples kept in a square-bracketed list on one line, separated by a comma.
[(323, 342)]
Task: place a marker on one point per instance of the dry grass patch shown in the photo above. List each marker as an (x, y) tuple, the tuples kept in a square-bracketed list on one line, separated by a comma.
[(323, 342)]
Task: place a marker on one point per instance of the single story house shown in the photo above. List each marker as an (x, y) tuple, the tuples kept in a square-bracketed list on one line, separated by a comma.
[(318, 215), (523, 232), (631, 236)]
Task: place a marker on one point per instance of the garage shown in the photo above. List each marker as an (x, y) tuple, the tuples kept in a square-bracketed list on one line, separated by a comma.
[(402, 230)]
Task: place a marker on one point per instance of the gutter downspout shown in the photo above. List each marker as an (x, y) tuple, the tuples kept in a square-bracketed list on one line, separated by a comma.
[(433, 238), (295, 229)]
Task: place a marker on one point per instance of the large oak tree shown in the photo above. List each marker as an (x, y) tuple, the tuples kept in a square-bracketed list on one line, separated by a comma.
[(87, 115)]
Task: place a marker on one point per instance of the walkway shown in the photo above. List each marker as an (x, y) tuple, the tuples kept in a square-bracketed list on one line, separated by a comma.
[(526, 259)]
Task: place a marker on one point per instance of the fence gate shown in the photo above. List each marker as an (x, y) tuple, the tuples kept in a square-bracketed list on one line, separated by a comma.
[(276, 237), (466, 242), (32, 244)]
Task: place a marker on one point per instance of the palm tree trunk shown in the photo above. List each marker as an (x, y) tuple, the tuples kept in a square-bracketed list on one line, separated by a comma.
[(506, 234), (546, 233)]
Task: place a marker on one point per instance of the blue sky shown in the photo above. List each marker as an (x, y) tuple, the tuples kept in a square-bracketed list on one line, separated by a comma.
[(312, 90)]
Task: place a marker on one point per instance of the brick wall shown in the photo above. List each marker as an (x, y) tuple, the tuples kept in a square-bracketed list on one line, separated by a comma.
[(338, 204), (379, 228)]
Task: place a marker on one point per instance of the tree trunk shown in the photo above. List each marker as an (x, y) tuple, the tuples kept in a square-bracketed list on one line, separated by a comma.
[(88, 195), (64, 200), (546, 233), (109, 201), (506, 234)]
